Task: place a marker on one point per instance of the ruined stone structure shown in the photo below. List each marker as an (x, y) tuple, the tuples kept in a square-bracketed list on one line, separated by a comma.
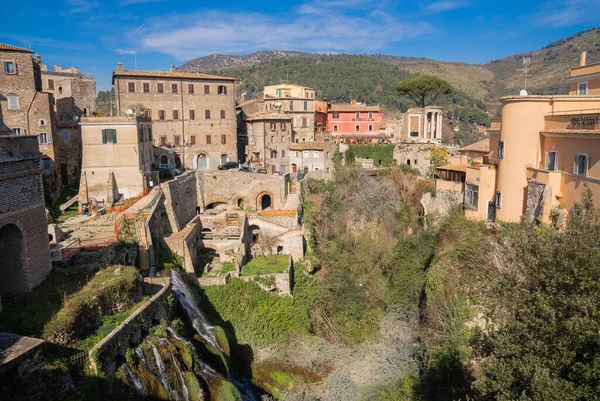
[(193, 114), (422, 125), (24, 253), (269, 137), (416, 156)]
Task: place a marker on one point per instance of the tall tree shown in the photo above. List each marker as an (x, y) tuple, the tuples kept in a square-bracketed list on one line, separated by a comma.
[(424, 89)]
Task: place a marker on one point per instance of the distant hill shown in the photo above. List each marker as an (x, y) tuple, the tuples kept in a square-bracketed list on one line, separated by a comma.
[(549, 70)]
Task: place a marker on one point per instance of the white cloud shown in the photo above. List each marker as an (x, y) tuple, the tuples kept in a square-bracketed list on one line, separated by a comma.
[(185, 36), (566, 13), (126, 51), (125, 3), (80, 6), (446, 5)]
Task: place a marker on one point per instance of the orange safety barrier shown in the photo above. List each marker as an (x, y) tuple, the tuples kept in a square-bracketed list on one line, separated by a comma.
[(278, 213)]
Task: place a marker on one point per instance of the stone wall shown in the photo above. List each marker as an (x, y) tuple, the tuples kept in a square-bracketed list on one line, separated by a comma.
[(440, 205), (535, 200), (21, 84), (181, 199), (415, 156), (129, 333)]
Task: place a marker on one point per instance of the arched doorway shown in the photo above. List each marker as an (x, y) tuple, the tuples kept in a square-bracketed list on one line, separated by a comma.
[(12, 268), (224, 158), (164, 159), (254, 231), (240, 203), (202, 162), (266, 202)]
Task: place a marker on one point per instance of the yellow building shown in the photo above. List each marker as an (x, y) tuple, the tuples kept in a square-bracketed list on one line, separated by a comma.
[(117, 155), (543, 150)]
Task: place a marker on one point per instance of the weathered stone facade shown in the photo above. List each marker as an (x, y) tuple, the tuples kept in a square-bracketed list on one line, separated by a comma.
[(416, 156), (193, 114), (299, 102), (24, 251), (75, 94), (536, 192), (269, 138)]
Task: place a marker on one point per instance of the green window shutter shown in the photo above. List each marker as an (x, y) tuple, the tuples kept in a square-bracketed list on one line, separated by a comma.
[(114, 135), (103, 136)]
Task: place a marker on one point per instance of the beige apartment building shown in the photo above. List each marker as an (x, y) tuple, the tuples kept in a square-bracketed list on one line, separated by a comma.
[(299, 102), (117, 158), (192, 114), (269, 137), (543, 152), (312, 156)]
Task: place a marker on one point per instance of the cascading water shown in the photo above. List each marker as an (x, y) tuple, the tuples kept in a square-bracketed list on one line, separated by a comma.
[(208, 372), (161, 367), (184, 389), (188, 301), (136, 382)]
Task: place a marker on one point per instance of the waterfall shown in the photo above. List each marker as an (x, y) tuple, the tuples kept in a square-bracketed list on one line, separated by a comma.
[(188, 301), (186, 395), (161, 367), (136, 382), (140, 354), (209, 373)]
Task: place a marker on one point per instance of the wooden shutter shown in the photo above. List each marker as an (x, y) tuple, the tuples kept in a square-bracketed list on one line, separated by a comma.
[(114, 135), (103, 136)]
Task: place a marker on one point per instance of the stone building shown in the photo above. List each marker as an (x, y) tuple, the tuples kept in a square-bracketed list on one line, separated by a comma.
[(117, 158), (269, 138), (312, 156), (193, 114), (299, 102), (422, 125), (74, 93), (24, 253), (243, 111), (416, 156)]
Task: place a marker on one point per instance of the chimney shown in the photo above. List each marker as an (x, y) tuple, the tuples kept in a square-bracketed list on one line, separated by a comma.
[(44, 67), (172, 69), (120, 66), (582, 58), (57, 68), (353, 102)]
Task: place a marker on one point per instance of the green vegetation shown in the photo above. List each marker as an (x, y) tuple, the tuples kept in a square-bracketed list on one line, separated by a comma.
[(424, 90), (382, 155), (114, 285), (266, 265), (59, 216)]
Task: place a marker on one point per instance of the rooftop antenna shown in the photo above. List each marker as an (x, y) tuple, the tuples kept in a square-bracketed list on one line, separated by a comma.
[(525, 69)]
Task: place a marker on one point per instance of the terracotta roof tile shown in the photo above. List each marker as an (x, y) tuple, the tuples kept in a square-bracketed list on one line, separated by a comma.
[(572, 131), (168, 74), (461, 168), (7, 47), (353, 107), (482, 146), (310, 145), (268, 115)]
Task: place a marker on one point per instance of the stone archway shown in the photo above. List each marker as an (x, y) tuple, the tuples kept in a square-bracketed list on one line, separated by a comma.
[(202, 162), (264, 201), (12, 256)]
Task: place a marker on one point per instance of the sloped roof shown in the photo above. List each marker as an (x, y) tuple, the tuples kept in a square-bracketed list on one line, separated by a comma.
[(353, 107), (482, 146), (268, 115), (310, 145), (461, 168), (168, 74), (7, 47)]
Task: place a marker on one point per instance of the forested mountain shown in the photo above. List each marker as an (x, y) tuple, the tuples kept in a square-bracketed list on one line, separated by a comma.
[(548, 72)]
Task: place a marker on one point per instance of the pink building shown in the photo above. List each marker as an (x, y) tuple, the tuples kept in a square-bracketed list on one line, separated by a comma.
[(355, 121)]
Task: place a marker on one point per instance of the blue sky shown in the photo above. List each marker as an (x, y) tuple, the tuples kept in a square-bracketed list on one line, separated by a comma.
[(95, 34)]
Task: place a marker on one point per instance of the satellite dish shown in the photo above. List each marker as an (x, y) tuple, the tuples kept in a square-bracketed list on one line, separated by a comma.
[(129, 112), (523, 92), (75, 118)]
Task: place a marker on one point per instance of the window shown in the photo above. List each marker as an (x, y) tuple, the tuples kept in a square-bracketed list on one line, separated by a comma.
[(335, 128), (224, 158), (207, 114), (146, 87), (50, 84), (580, 165), (370, 114), (291, 105), (192, 139), (223, 139), (272, 139), (208, 139), (305, 153), (283, 126), (304, 122), (471, 196), (44, 138), (161, 115), (296, 154), (131, 87), (175, 114), (141, 134), (42, 123), (13, 102), (65, 135), (357, 114), (109, 136), (551, 160), (305, 105), (501, 149), (191, 89), (174, 88), (160, 88), (150, 134), (47, 164), (192, 114), (207, 89), (336, 114), (177, 140), (222, 90), (19, 131), (357, 128), (582, 88), (370, 127), (273, 154), (316, 154), (60, 90), (222, 114), (148, 113), (282, 153), (163, 141), (273, 126), (498, 199), (10, 67)]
